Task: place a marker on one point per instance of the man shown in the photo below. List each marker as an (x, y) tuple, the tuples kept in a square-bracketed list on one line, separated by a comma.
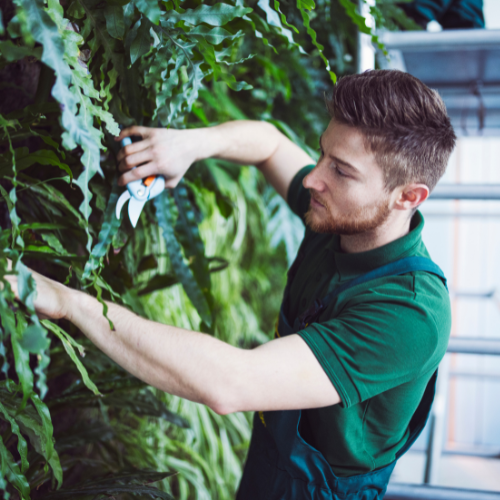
[(346, 385)]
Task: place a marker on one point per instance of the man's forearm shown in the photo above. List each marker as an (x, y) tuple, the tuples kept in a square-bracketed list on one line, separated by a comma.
[(242, 141), (189, 364), (256, 143)]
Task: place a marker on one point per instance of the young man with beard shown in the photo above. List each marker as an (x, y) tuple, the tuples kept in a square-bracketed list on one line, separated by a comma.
[(346, 385)]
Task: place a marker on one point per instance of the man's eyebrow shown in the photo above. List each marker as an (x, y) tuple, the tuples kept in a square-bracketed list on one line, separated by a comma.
[(338, 160), (344, 163)]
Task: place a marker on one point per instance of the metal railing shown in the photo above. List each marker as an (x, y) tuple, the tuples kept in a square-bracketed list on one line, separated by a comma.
[(478, 345), (466, 192), (424, 492)]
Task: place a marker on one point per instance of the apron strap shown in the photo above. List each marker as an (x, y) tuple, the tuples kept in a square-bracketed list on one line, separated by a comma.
[(396, 268)]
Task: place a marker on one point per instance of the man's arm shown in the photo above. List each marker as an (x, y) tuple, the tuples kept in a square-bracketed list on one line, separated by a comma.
[(171, 152), (281, 374)]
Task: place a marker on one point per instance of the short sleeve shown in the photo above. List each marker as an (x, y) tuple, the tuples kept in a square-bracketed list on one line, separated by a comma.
[(298, 196), (383, 338)]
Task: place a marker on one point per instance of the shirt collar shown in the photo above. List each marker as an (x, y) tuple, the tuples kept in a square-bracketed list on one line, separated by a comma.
[(350, 265)]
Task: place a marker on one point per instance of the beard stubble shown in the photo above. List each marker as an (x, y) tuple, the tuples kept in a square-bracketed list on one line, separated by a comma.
[(362, 220)]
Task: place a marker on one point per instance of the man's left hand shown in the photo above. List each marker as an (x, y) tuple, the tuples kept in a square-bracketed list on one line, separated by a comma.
[(51, 296)]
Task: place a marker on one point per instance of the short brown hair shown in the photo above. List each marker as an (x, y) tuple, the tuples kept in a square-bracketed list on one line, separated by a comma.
[(404, 121)]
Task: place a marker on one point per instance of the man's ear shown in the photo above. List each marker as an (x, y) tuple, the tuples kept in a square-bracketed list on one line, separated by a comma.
[(411, 196)]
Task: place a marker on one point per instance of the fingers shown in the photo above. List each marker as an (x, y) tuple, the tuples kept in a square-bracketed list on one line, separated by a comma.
[(133, 148), (133, 160), (138, 173), (134, 130)]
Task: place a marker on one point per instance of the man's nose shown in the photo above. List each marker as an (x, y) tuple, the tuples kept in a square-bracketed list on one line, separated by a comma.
[(313, 180)]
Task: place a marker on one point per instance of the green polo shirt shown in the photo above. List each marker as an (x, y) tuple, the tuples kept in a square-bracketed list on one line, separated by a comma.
[(379, 343)]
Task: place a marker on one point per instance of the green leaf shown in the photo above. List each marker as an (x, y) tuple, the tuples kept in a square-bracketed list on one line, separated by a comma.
[(109, 228), (35, 226), (187, 230), (43, 157), (22, 359), (133, 483), (304, 7), (49, 141), (47, 440), (165, 209), (274, 19), (26, 286), (360, 22), (54, 243), (131, 299), (158, 282), (8, 324), (150, 9), (11, 52), (217, 15), (253, 20), (10, 470), (358, 19), (142, 43), (27, 293), (34, 339), (79, 128), (69, 344), (53, 195), (284, 226), (231, 82), (283, 17), (14, 218), (10, 206), (22, 446), (145, 403), (36, 425), (114, 21), (214, 35)]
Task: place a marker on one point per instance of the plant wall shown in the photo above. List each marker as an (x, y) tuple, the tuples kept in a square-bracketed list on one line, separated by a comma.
[(72, 423)]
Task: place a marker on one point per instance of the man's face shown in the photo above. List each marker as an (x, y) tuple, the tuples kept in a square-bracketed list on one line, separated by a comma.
[(348, 194)]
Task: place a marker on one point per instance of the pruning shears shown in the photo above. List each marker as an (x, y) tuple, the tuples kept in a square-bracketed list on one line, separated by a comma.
[(139, 192)]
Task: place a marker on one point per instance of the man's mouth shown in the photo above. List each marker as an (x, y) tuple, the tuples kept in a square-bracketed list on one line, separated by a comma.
[(316, 203)]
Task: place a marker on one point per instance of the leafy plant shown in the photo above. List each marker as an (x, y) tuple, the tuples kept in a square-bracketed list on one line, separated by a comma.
[(72, 423)]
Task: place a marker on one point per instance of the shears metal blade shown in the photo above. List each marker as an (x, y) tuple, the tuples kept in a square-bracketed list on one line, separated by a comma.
[(139, 192)]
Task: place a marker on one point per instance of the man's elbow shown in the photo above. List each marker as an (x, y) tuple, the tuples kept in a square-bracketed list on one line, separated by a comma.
[(231, 386), (221, 403), (224, 400)]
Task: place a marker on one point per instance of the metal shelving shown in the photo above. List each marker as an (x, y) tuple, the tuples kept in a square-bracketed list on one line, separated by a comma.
[(462, 65)]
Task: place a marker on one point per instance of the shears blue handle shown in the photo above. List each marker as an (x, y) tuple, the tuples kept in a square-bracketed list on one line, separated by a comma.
[(139, 192)]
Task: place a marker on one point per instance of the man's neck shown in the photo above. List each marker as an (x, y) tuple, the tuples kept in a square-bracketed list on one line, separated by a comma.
[(395, 227)]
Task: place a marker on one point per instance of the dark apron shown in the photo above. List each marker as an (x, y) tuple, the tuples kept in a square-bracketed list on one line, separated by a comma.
[(280, 464)]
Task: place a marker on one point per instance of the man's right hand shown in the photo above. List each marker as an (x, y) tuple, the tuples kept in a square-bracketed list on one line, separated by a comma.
[(171, 152), (161, 151)]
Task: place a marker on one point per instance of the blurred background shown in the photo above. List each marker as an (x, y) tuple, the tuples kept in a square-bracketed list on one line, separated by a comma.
[(458, 454)]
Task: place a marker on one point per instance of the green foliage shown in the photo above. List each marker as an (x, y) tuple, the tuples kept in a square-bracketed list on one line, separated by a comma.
[(72, 423)]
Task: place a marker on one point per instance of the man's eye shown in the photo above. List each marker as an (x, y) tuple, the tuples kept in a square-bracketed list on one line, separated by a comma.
[(339, 172)]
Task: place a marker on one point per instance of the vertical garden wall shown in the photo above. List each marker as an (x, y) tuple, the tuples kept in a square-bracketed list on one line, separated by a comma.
[(203, 256)]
